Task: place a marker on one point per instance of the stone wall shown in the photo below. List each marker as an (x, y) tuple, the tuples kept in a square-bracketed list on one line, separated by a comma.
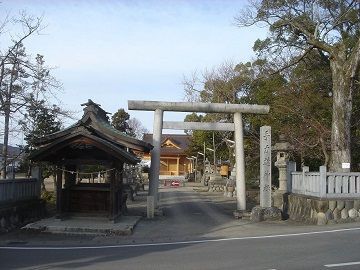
[(15, 215), (322, 211)]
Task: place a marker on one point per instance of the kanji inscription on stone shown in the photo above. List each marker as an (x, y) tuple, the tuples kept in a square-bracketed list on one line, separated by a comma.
[(265, 166)]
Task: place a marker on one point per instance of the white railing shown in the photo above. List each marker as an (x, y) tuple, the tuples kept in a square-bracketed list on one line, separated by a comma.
[(323, 184)]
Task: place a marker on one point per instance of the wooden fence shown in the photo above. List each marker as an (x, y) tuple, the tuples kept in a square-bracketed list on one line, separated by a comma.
[(12, 190), (20, 189), (323, 184)]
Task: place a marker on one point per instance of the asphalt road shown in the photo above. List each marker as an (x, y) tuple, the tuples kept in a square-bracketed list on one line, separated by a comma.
[(198, 233)]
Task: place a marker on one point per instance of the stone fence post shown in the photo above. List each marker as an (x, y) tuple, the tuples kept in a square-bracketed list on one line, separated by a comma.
[(305, 169), (322, 181), (291, 167)]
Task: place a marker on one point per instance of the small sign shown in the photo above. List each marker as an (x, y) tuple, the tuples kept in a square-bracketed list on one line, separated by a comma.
[(345, 165), (175, 183)]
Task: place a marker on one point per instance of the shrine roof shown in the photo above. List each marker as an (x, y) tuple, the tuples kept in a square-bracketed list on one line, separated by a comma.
[(93, 131), (171, 144), (96, 120)]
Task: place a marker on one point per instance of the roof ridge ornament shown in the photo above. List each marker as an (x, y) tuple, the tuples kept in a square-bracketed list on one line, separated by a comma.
[(90, 102), (91, 106)]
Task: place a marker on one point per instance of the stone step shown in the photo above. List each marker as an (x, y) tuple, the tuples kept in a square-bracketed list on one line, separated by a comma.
[(86, 226)]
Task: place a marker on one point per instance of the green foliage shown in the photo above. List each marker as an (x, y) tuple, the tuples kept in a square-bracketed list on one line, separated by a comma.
[(131, 126), (40, 121), (119, 121), (49, 197)]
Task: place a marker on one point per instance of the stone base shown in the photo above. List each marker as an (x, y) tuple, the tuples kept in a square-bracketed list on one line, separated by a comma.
[(216, 183), (229, 192), (277, 199), (280, 200), (259, 214), (15, 215), (322, 211), (205, 179), (241, 214)]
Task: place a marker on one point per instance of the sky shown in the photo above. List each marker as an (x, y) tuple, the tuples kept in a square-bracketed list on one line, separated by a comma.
[(114, 51)]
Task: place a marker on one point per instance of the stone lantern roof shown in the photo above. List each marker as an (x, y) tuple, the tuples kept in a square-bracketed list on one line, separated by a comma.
[(282, 145)]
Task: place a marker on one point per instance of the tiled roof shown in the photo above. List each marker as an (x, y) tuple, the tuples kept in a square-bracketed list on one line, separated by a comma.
[(96, 119), (93, 129), (180, 140)]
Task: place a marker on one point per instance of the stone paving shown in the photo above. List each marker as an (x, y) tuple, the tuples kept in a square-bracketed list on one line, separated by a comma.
[(86, 226)]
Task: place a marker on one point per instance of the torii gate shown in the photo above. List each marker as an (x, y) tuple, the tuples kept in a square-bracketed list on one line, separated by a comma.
[(237, 109)]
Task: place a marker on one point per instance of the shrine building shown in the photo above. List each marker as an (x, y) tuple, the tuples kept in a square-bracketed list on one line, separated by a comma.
[(89, 158), (173, 157)]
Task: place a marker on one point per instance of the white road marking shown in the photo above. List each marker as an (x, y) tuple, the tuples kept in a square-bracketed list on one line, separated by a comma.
[(182, 242), (341, 264)]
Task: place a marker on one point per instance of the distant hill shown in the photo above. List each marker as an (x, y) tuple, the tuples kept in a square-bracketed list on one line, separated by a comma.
[(13, 151)]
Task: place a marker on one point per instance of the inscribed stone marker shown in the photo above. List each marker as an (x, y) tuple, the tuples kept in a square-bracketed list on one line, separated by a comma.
[(265, 166)]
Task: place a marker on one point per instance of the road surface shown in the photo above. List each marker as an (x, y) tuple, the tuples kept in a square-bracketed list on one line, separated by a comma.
[(198, 233)]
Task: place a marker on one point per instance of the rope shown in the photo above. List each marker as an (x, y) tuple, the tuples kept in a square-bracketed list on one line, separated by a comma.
[(89, 173)]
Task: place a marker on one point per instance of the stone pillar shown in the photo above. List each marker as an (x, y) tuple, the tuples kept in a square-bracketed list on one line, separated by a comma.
[(240, 163), (265, 166), (282, 149), (155, 156), (150, 207), (282, 176)]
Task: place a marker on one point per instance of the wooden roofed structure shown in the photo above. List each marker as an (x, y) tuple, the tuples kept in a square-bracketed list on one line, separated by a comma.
[(173, 156), (91, 141)]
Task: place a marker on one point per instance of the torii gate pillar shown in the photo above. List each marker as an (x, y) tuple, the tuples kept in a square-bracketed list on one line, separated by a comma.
[(155, 155), (240, 163)]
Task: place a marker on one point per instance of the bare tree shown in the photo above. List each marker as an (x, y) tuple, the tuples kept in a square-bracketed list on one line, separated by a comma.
[(24, 82), (137, 128)]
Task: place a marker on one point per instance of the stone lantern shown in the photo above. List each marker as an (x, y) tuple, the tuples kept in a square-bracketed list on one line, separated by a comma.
[(282, 149)]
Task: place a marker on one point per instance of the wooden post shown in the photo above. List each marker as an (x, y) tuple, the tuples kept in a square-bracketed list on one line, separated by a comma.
[(59, 176), (112, 195), (69, 180), (36, 173), (119, 189), (177, 166)]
